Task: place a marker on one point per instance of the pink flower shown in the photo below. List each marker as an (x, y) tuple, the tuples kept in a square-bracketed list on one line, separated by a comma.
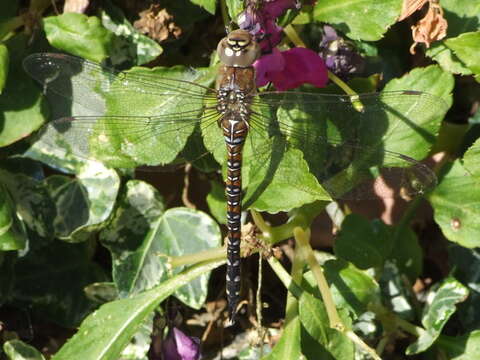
[(290, 69), (259, 19), (178, 346)]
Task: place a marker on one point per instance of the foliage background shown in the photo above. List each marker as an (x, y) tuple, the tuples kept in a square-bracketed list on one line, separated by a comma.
[(77, 235)]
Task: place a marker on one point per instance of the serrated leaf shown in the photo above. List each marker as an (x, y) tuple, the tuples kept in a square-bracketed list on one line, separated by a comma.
[(106, 332), (358, 19), (441, 305), (466, 48), (366, 244), (462, 16), (79, 34), (404, 137), (18, 350)]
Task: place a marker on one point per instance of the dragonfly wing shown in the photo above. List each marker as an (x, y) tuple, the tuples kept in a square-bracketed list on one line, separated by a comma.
[(92, 86), (121, 141), (348, 142)]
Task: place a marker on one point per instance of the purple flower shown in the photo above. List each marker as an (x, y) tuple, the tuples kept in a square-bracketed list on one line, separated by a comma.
[(339, 55), (289, 69), (259, 19), (178, 346)]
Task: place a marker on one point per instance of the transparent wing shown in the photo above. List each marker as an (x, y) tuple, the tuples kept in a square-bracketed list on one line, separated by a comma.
[(92, 85), (358, 147), (141, 118)]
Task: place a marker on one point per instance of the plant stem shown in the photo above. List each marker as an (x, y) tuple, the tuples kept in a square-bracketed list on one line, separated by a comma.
[(306, 251), (207, 255)]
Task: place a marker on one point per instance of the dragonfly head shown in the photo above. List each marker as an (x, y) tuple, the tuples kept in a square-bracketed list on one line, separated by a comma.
[(238, 49)]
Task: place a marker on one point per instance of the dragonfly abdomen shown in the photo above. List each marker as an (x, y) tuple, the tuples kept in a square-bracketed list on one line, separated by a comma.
[(235, 132)]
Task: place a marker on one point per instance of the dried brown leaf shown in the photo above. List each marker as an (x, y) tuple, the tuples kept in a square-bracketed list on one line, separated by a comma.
[(431, 28), (157, 23), (409, 7)]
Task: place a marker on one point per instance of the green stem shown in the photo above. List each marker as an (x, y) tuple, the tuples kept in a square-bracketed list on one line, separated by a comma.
[(207, 255), (306, 251)]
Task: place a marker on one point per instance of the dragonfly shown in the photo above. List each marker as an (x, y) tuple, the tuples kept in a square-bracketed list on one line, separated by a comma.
[(340, 139)]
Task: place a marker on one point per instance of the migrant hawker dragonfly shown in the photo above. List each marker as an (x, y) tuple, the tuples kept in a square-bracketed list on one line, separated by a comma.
[(142, 118)]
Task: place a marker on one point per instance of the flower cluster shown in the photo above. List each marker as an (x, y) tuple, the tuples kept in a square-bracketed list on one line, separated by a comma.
[(285, 69)]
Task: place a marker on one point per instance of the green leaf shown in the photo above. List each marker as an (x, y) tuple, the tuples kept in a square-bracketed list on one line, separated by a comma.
[(106, 332), (18, 350), (84, 203), (217, 203), (80, 35), (51, 279), (142, 235), (365, 244), (463, 260), (358, 19), (4, 65), (288, 347), (234, 8), (140, 344), (129, 43), (440, 307), (462, 16), (465, 347), (333, 344), (208, 5), (351, 288), (416, 140), (21, 104), (290, 186), (132, 239), (456, 205), (396, 292), (466, 48), (407, 252), (30, 197), (12, 232)]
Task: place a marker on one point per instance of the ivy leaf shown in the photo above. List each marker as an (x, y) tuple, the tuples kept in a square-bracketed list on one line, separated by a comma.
[(129, 43), (80, 35), (465, 347), (142, 235), (12, 233), (84, 203), (440, 307)]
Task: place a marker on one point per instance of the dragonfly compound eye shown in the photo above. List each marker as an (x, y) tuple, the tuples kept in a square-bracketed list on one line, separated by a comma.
[(238, 49)]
